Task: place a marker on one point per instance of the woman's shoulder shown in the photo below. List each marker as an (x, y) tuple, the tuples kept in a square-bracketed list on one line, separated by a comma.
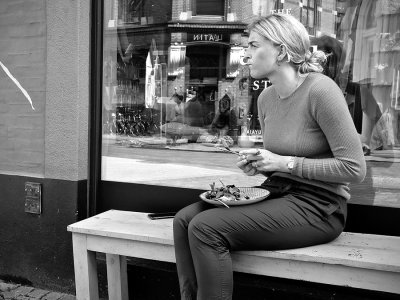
[(319, 81), (320, 85), (267, 92), (324, 91)]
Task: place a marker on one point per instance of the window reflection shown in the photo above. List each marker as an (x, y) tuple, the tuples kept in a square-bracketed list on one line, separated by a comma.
[(173, 79), (368, 70)]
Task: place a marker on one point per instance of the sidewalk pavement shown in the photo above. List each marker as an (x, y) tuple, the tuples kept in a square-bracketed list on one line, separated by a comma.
[(10, 291)]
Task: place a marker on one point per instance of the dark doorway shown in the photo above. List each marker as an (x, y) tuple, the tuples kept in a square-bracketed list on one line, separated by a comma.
[(207, 67)]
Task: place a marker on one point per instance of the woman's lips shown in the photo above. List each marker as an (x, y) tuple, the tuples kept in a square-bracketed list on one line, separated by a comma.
[(244, 61)]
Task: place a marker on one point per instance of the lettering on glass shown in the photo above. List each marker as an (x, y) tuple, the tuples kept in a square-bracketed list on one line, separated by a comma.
[(263, 84), (254, 132), (287, 11), (207, 37)]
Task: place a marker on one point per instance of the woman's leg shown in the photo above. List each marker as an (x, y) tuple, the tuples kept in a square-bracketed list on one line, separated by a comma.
[(281, 223), (184, 262)]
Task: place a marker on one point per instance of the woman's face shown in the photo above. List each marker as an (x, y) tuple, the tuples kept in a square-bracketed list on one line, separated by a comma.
[(262, 55)]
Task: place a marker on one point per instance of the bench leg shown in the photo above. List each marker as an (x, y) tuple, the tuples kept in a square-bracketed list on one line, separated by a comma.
[(117, 277), (85, 269)]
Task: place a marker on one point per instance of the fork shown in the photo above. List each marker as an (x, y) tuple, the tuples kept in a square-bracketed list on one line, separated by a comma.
[(227, 149), (222, 202)]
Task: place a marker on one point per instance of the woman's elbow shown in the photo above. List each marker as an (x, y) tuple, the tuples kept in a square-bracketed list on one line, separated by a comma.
[(357, 172)]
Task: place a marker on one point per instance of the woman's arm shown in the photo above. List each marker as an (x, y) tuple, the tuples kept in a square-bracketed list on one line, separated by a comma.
[(330, 111)]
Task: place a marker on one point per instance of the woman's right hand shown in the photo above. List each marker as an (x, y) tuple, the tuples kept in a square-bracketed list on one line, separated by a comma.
[(246, 166)]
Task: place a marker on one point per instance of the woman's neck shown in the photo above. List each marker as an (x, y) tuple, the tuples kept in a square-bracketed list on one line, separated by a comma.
[(286, 82)]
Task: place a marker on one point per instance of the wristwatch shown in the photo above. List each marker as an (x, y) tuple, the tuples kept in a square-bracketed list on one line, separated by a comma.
[(290, 163)]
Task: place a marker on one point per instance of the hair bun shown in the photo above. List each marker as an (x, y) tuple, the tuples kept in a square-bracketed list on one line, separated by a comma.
[(307, 56), (313, 62)]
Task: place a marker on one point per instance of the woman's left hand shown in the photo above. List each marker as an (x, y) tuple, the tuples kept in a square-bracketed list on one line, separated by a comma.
[(265, 161)]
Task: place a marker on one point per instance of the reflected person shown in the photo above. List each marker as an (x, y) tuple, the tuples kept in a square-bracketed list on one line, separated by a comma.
[(311, 152), (179, 108)]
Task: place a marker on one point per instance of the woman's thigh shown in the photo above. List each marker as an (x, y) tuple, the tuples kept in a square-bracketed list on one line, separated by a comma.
[(187, 213), (279, 223)]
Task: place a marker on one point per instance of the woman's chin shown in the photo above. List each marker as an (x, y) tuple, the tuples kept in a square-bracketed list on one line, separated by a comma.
[(256, 75)]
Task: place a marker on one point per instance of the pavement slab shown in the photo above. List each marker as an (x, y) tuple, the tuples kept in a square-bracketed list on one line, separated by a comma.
[(38, 293), (11, 291), (53, 296), (23, 290)]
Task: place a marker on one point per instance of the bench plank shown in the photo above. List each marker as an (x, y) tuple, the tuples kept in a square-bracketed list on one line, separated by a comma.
[(126, 225), (357, 260)]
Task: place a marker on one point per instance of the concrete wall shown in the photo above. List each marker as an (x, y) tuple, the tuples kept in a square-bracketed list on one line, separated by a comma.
[(23, 38), (45, 44)]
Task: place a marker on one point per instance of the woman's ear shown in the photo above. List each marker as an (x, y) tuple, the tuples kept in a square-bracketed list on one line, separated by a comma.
[(283, 53)]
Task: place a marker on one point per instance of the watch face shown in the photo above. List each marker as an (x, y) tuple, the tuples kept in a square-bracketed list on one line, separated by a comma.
[(290, 164)]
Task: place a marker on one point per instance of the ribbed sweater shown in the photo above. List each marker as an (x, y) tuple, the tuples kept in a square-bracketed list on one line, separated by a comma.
[(314, 125)]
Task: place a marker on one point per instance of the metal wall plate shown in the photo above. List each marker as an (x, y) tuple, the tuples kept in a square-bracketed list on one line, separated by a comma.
[(33, 198)]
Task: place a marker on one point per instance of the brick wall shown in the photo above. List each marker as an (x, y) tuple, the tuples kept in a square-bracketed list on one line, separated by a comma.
[(23, 52)]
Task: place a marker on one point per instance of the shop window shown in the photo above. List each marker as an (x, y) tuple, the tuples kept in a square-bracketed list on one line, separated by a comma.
[(172, 92), (136, 12)]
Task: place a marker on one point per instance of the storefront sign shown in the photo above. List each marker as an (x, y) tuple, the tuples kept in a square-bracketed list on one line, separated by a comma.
[(255, 135), (254, 132), (207, 37), (261, 84)]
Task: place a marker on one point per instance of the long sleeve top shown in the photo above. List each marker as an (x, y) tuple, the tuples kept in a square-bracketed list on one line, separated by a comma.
[(314, 125)]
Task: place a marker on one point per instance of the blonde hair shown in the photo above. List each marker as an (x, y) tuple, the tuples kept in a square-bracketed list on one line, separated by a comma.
[(287, 31)]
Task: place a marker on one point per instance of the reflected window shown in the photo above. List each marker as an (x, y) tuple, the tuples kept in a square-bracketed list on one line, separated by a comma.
[(308, 15), (208, 7), (174, 87), (136, 12)]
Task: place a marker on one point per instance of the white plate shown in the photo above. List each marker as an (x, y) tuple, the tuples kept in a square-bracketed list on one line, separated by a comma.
[(255, 194)]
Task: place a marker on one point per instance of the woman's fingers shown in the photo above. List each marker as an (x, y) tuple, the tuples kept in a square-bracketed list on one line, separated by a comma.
[(250, 152), (252, 172), (242, 160), (246, 167)]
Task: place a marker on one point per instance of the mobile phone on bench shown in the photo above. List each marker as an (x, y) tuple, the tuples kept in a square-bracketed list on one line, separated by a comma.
[(161, 215)]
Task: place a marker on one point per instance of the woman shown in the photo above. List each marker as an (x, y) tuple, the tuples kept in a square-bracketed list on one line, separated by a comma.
[(311, 152)]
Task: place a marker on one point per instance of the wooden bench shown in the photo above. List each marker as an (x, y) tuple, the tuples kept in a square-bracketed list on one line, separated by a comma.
[(363, 261)]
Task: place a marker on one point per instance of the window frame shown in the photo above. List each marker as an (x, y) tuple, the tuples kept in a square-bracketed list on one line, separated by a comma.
[(118, 195), (95, 106)]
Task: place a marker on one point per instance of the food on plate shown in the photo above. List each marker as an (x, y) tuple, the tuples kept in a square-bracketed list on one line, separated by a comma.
[(225, 193)]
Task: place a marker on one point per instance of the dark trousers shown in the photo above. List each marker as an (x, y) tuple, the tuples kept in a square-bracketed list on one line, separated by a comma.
[(205, 234)]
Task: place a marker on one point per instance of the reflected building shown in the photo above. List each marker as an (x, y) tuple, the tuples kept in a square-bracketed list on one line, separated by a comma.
[(153, 49)]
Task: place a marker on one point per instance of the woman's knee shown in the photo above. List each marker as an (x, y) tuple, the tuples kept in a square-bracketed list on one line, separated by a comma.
[(185, 215), (180, 220), (201, 230)]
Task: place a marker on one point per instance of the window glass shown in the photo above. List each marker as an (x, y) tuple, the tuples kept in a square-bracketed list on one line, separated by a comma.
[(208, 7), (174, 87)]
